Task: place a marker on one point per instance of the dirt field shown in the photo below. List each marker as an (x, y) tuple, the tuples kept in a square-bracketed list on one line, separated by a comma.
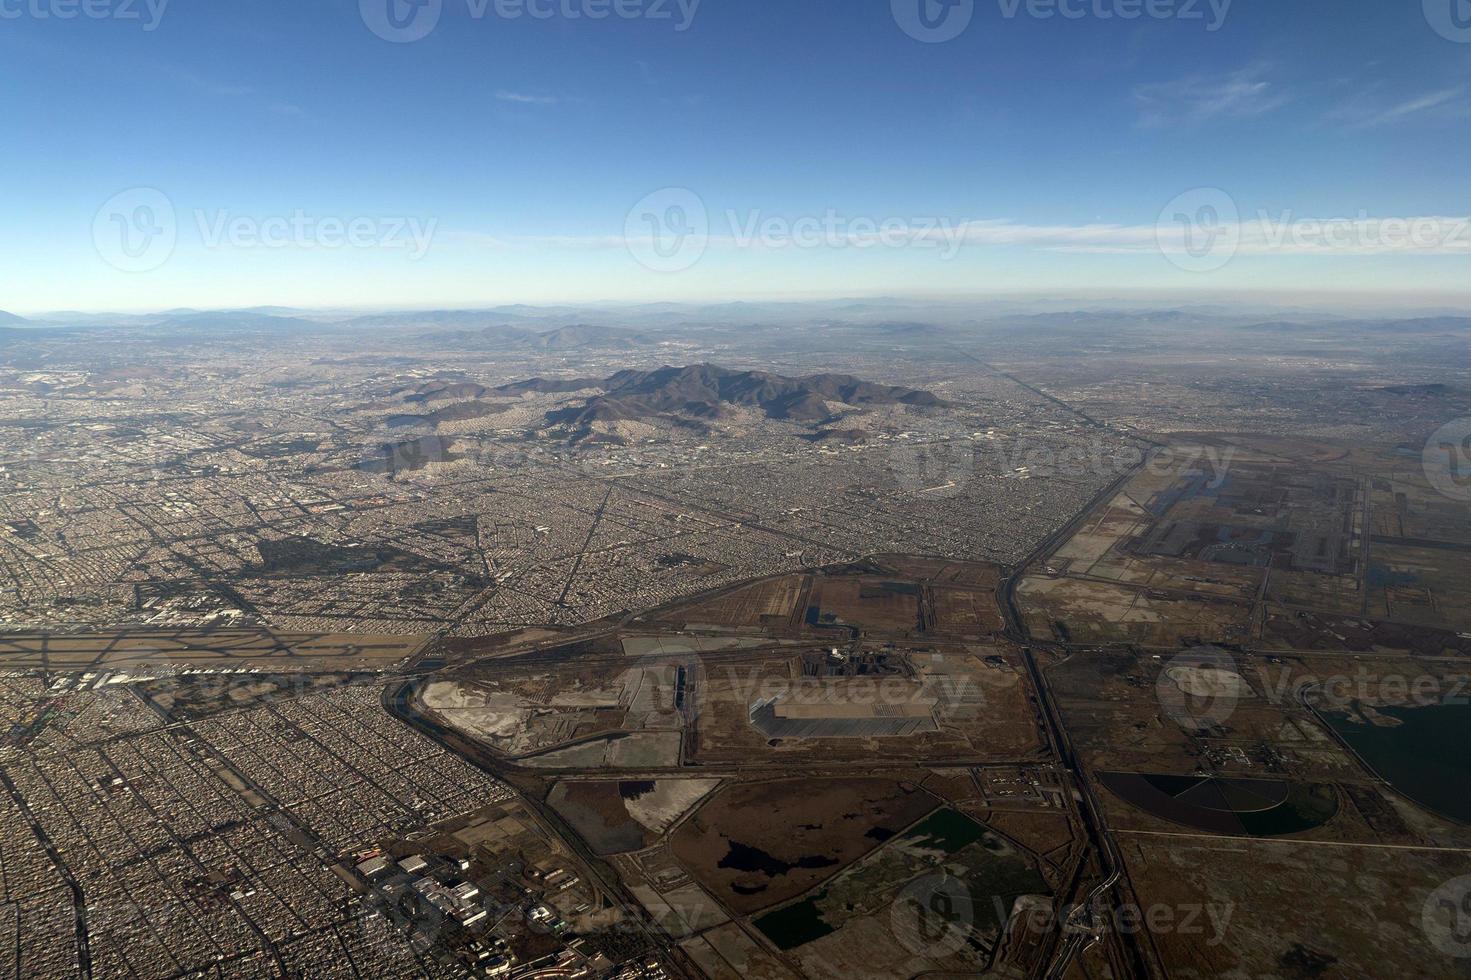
[(1185, 554), (1111, 703), (766, 604), (877, 604), (636, 750), (1296, 630), (1427, 583), (1284, 909), (1078, 611), (973, 575), (966, 611), (1048, 834), (728, 953)]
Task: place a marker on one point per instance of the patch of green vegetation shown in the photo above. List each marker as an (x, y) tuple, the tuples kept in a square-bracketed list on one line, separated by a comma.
[(945, 830), (796, 925)]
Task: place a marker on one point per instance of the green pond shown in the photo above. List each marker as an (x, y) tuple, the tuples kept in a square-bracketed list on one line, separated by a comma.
[(946, 830)]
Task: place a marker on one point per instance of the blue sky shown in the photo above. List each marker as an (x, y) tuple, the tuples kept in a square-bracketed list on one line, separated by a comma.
[(1049, 146)]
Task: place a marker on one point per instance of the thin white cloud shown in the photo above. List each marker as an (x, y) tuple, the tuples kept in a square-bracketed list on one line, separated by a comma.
[(1263, 234), (1285, 234), (231, 90), (208, 86), (1200, 99), (522, 98), (1367, 113)]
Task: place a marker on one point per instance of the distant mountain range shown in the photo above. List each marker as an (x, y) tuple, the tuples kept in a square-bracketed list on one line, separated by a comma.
[(612, 326), (1434, 324), (765, 328), (582, 335), (578, 336), (241, 321), (509, 328), (705, 392)]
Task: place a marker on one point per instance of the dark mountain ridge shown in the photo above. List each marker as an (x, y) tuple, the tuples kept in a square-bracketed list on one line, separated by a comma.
[(458, 412), (706, 392)]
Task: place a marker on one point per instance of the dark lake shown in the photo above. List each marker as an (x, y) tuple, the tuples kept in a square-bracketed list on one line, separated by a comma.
[(1423, 756), (743, 857)]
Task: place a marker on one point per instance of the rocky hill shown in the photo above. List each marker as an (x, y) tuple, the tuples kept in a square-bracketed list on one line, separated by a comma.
[(705, 392)]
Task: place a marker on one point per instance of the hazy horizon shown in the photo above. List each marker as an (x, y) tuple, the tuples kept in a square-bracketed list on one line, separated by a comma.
[(1341, 304)]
